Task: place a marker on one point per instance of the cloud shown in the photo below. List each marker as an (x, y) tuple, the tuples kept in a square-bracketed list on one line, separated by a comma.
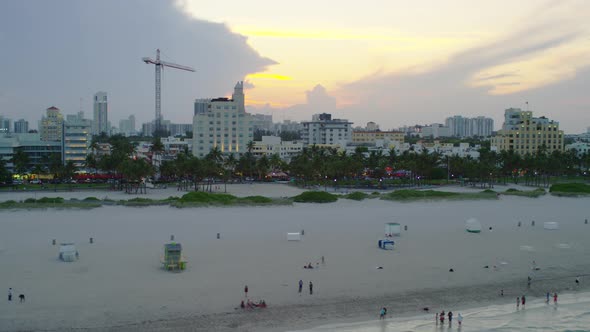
[(543, 56), (318, 100), (64, 50)]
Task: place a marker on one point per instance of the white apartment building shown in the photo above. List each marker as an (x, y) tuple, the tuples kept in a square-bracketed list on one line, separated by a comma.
[(100, 123), (271, 145), (435, 130), (222, 123), (323, 130), (77, 139), (460, 126), (580, 147)]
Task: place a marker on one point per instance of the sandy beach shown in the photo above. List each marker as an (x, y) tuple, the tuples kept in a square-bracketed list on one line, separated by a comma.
[(118, 285)]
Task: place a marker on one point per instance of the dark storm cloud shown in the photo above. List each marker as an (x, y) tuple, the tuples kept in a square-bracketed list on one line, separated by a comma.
[(56, 52)]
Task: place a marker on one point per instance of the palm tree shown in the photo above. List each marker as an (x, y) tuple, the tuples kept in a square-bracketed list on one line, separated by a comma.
[(21, 161)]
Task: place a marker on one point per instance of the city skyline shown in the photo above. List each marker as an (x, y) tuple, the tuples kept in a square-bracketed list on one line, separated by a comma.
[(401, 65)]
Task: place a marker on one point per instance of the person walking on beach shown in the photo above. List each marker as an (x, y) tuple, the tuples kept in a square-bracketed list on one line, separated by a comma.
[(436, 318), (442, 317), (459, 319), (310, 288), (555, 298), (246, 291), (547, 297), (450, 315), (382, 313), (523, 300), (517, 302), (301, 286), (10, 294)]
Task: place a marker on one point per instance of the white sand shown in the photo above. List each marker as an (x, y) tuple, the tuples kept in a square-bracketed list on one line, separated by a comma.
[(118, 283)]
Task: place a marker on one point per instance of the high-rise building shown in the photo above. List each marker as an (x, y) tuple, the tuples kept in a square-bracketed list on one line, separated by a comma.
[(77, 139), (460, 126), (127, 126), (222, 123), (21, 126), (324, 130), (51, 127), (525, 134), (101, 122), (4, 125)]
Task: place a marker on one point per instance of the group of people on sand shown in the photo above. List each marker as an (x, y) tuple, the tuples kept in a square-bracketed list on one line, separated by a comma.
[(252, 305), (440, 317)]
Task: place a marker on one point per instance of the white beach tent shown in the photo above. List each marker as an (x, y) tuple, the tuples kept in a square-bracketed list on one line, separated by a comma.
[(473, 225), (68, 252), (393, 229), (551, 225), (293, 236)]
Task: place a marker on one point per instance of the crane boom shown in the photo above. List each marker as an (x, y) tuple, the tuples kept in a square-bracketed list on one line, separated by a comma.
[(159, 65)]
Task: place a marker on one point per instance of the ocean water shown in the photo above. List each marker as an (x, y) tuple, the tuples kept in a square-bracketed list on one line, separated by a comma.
[(571, 314)]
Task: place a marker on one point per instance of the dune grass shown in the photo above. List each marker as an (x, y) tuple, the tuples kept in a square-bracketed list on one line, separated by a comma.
[(570, 189), (413, 195), (315, 197), (530, 193), (357, 196)]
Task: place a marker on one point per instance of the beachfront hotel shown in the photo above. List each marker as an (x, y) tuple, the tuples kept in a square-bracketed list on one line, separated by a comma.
[(222, 123), (323, 130), (525, 134)]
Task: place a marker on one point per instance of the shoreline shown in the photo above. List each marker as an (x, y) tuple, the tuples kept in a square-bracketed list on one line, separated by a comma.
[(335, 311)]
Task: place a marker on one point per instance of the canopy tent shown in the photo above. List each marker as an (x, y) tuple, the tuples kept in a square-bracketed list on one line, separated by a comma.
[(551, 225), (393, 229), (68, 252), (473, 225)]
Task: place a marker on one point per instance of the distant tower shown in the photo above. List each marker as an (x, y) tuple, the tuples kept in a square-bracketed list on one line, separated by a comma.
[(238, 96), (21, 126), (100, 123)]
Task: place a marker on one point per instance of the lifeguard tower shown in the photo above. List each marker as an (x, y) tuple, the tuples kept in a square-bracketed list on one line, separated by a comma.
[(393, 229), (173, 259)]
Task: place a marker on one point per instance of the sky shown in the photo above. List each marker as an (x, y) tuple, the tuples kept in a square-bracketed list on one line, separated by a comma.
[(391, 62)]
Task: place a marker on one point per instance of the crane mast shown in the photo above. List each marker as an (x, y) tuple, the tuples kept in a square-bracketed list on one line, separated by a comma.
[(159, 66)]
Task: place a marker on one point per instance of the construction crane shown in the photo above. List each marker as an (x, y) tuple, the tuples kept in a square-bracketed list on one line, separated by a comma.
[(159, 66)]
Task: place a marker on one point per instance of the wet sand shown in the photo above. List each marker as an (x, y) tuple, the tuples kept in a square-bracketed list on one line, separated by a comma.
[(118, 285)]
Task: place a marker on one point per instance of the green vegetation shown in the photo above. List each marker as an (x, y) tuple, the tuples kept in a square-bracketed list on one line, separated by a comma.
[(209, 198), (570, 189), (357, 196), (257, 199), (315, 197), (412, 195), (531, 193), (91, 198)]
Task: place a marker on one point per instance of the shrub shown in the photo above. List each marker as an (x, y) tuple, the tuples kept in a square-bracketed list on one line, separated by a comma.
[(488, 191), (257, 199), (91, 199), (315, 197), (357, 196), (203, 197), (51, 200), (578, 188), (30, 200)]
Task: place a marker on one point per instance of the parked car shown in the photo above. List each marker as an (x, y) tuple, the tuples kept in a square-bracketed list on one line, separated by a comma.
[(36, 181)]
